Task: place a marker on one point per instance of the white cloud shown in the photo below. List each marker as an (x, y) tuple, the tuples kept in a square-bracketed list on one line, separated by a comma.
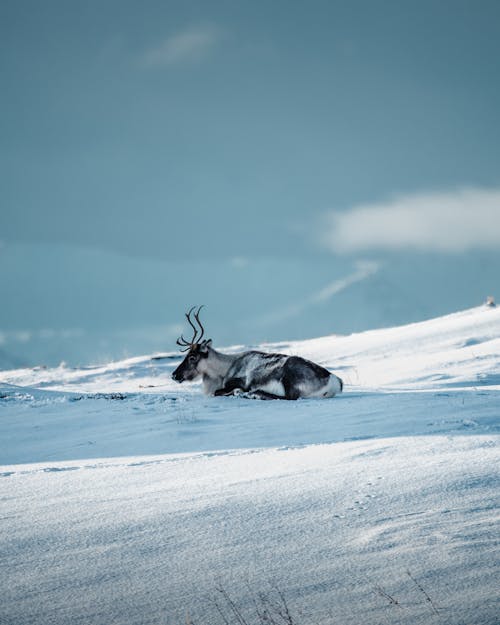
[(448, 222), (363, 269), (188, 45)]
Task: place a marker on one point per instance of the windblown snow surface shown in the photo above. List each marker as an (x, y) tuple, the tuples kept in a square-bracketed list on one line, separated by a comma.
[(129, 499)]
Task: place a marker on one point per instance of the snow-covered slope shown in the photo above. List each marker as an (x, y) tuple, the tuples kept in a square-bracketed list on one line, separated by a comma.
[(126, 498), (462, 349)]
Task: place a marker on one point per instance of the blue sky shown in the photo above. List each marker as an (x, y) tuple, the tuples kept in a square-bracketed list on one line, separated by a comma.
[(267, 140)]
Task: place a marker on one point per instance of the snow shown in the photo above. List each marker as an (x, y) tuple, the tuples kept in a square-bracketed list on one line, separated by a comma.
[(127, 498)]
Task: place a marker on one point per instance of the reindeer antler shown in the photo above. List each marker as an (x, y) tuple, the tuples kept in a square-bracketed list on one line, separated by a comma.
[(181, 341), (197, 317)]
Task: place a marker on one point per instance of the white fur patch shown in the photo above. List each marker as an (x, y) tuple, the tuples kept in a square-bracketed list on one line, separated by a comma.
[(274, 387), (330, 389)]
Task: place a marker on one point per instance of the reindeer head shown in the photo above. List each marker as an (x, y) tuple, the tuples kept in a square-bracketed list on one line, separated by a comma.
[(192, 365)]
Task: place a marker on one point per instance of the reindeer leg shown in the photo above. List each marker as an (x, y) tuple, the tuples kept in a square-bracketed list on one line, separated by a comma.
[(230, 386), (261, 395)]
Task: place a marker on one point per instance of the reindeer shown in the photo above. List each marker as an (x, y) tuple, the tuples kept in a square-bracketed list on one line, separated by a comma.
[(257, 374)]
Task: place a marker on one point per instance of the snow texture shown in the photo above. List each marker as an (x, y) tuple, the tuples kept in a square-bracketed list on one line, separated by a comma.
[(129, 499)]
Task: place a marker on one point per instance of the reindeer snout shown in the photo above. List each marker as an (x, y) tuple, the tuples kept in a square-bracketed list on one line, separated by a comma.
[(175, 376)]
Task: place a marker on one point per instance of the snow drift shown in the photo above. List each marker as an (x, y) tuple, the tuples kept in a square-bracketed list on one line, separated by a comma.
[(129, 499)]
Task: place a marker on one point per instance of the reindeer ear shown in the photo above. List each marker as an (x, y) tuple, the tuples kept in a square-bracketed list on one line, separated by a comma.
[(205, 345)]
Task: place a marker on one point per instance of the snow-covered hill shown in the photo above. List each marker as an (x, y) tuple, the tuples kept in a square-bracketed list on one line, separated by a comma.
[(127, 498)]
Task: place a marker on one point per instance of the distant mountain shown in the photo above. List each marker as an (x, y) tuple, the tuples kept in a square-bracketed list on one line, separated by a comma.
[(84, 306)]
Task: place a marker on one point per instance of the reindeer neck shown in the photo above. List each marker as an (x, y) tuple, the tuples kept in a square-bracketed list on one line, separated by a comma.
[(219, 363)]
